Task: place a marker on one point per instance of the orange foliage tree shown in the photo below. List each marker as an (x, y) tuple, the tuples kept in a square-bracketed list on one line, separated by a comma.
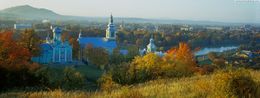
[(12, 55), (181, 58)]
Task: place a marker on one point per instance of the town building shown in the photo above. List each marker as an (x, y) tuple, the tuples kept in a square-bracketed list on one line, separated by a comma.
[(54, 50), (22, 26), (151, 48), (214, 28), (186, 28), (108, 42)]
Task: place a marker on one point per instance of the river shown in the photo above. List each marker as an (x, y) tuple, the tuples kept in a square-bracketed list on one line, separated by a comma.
[(205, 51)]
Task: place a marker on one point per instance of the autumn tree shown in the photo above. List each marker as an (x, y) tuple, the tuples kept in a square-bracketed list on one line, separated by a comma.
[(65, 36), (13, 55), (212, 56), (15, 68), (185, 55), (177, 62), (96, 56), (116, 57), (75, 47), (217, 61), (145, 68), (132, 52), (30, 40), (141, 69), (181, 59), (139, 42), (72, 79)]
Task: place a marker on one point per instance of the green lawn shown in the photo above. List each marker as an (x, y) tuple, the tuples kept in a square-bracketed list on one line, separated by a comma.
[(90, 72)]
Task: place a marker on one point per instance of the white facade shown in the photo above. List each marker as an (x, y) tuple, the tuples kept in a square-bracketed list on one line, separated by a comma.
[(111, 30)]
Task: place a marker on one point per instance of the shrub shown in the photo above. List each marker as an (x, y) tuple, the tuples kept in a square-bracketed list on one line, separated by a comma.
[(141, 69), (145, 68), (106, 82), (44, 77), (258, 89), (72, 79), (16, 70), (234, 83), (22, 78), (208, 68), (149, 67), (131, 93), (96, 56), (178, 62), (68, 79), (120, 73)]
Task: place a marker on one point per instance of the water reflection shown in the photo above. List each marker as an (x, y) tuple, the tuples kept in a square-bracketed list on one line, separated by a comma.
[(205, 51)]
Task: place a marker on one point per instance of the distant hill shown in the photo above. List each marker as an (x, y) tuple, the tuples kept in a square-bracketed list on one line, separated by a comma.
[(27, 12)]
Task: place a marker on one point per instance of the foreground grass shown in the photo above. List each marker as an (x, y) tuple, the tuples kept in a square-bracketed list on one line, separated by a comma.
[(190, 87)]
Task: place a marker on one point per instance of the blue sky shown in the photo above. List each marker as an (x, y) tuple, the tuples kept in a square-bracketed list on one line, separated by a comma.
[(209, 10)]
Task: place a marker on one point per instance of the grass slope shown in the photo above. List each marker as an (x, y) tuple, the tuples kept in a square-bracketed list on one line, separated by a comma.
[(91, 72), (190, 87)]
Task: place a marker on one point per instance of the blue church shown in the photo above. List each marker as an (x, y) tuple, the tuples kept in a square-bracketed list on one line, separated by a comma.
[(54, 50), (108, 42)]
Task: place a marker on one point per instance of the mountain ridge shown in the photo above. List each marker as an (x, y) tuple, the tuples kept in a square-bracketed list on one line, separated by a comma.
[(27, 12)]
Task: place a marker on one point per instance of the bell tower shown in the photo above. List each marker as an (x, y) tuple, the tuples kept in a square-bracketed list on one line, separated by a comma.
[(57, 35), (151, 46), (111, 30)]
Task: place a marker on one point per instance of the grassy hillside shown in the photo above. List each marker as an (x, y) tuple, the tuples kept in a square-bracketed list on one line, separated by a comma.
[(190, 87)]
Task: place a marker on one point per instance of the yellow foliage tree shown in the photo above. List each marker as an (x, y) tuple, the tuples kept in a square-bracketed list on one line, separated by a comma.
[(147, 66)]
